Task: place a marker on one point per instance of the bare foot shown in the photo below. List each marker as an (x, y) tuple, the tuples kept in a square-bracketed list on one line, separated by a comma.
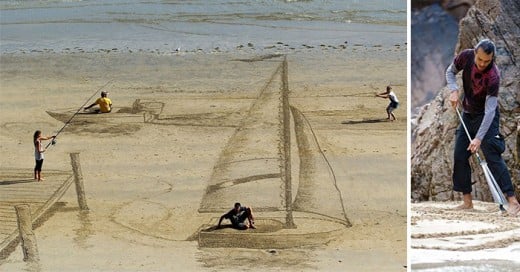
[(514, 210), (464, 206)]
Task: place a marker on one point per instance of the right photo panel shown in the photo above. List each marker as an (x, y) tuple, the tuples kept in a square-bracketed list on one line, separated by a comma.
[(465, 139)]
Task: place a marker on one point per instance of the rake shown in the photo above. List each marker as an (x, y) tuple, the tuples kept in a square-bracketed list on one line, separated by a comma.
[(496, 192)]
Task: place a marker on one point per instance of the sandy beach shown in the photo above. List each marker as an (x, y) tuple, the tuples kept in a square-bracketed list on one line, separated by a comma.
[(145, 181), (445, 239)]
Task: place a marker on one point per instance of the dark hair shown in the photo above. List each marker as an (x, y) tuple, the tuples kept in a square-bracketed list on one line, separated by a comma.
[(488, 46), (35, 136), (237, 205)]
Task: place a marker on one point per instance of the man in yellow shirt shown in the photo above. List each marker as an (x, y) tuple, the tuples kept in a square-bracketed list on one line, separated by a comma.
[(105, 104)]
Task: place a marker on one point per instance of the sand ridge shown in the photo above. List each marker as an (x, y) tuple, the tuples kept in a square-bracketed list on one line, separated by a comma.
[(484, 232)]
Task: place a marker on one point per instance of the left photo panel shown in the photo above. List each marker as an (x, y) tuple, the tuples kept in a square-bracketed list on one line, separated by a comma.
[(203, 135)]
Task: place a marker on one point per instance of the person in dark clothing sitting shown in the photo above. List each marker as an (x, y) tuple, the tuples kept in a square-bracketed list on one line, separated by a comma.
[(238, 216)]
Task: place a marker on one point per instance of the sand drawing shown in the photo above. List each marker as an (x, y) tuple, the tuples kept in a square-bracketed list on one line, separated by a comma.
[(286, 179), (435, 226), (206, 119), (122, 120), (125, 120), (272, 161)]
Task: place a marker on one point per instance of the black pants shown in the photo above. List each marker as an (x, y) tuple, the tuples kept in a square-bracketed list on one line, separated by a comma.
[(238, 221), (38, 166), (492, 146)]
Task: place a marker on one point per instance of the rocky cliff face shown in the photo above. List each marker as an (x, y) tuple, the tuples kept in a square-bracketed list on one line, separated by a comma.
[(433, 129), (457, 8), (434, 35), (433, 40)]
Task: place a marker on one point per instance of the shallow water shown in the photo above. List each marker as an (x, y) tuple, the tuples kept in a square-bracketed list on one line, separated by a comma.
[(180, 26)]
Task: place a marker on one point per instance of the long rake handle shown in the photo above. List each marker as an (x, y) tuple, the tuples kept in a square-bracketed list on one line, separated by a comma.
[(487, 173), (466, 130)]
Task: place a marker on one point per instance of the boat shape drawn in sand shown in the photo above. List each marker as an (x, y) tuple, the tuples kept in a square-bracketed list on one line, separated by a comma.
[(133, 114), (274, 164)]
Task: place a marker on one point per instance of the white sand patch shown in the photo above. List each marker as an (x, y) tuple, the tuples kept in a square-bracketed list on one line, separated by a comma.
[(448, 227), (446, 239)]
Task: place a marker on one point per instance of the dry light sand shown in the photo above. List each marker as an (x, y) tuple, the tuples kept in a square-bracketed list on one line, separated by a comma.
[(145, 181)]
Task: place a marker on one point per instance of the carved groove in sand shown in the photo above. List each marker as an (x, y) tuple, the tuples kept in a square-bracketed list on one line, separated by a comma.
[(121, 121), (126, 120), (273, 163), (437, 226)]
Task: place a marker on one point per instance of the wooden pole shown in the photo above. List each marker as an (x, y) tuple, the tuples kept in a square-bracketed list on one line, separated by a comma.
[(78, 180), (29, 246)]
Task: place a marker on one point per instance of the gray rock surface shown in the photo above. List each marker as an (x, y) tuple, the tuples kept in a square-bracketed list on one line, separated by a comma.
[(433, 40)]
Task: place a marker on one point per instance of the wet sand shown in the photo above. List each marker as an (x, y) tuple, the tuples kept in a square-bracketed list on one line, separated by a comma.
[(144, 181)]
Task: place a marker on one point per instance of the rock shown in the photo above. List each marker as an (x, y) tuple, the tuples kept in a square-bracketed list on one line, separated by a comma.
[(434, 126), (457, 8), (434, 36)]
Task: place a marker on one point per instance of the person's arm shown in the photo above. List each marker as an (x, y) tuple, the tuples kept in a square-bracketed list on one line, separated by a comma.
[(489, 114), (48, 137), (451, 80), (220, 220), (38, 143), (91, 105), (251, 218), (382, 95)]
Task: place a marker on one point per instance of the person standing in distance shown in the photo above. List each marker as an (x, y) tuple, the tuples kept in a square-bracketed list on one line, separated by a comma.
[(394, 102), (38, 153)]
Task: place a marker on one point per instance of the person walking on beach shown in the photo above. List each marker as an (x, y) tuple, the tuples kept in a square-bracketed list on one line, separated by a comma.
[(394, 102), (105, 104), (481, 80), (38, 153), (238, 216)]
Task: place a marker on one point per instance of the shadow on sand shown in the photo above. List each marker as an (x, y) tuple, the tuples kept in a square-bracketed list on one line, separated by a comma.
[(364, 121), (17, 181)]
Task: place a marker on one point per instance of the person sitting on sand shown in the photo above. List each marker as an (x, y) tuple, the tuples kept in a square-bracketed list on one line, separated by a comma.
[(105, 104), (237, 216), (38, 153), (394, 102)]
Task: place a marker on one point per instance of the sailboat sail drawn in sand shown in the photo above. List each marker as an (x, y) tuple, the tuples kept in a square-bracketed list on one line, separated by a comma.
[(273, 163)]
